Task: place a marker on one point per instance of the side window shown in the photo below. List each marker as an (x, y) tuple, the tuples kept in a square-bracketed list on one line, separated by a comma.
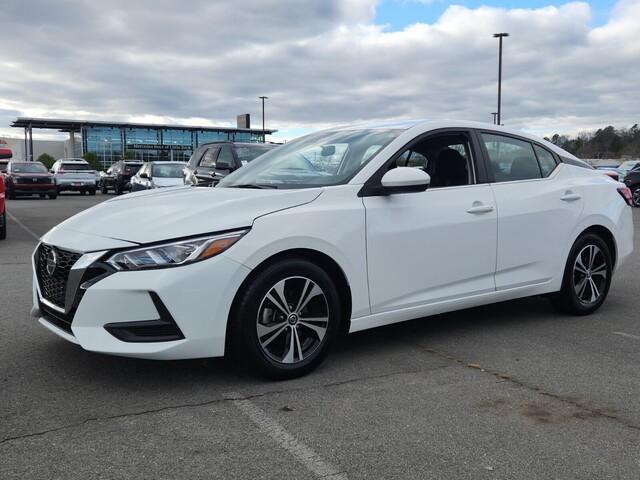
[(511, 159), (209, 158), (446, 158), (546, 160), (226, 156)]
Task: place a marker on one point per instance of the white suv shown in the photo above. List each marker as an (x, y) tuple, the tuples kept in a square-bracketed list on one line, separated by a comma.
[(74, 174)]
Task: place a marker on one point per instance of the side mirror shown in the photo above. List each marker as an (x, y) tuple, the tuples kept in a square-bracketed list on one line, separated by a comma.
[(144, 175), (405, 180)]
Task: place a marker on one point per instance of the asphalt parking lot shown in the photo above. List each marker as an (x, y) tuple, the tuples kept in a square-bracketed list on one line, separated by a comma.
[(507, 391)]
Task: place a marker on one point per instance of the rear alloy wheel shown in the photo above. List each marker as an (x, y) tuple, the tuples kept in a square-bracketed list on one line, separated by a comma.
[(636, 197), (587, 276), (287, 319)]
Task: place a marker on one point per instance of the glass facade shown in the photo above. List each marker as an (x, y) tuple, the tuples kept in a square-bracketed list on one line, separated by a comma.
[(111, 144)]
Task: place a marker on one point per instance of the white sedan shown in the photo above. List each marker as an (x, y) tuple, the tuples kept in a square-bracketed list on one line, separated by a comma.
[(158, 175), (413, 219)]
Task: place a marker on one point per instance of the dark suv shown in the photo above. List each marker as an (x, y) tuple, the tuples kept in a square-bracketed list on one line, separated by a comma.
[(118, 176), (632, 180), (213, 161)]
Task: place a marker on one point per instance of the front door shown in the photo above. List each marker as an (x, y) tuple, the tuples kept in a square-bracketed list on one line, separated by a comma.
[(435, 245)]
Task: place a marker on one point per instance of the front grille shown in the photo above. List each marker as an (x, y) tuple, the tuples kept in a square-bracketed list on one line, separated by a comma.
[(53, 286), (33, 181)]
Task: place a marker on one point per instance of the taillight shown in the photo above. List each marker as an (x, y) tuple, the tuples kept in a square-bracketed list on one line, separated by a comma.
[(626, 194)]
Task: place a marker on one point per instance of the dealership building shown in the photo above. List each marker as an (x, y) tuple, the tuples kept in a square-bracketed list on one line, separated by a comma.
[(110, 140)]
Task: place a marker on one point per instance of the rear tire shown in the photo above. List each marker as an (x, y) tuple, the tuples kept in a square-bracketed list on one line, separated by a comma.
[(41, 195), (117, 188), (92, 191), (104, 190), (636, 196), (587, 276), (294, 338), (11, 195), (53, 196), (3, 228)]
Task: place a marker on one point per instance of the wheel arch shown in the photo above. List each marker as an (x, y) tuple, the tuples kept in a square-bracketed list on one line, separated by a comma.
[(607, 236), (321, 259)]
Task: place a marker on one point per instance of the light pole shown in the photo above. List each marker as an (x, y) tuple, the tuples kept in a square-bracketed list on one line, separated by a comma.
[(263, 98), (500, 36), (494, 117)]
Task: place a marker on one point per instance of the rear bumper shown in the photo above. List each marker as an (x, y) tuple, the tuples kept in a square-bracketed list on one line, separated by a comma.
[(75, 184)]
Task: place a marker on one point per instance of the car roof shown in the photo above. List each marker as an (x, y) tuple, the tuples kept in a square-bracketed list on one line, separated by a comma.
[(239, 144), (166, 162), (426, 125), (72, 160)]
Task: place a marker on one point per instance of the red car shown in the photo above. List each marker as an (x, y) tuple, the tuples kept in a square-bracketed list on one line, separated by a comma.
[(3, 212), (29, 178)]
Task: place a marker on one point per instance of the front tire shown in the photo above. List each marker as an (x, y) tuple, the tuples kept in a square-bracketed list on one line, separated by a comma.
[(587, 276), (286, 320)]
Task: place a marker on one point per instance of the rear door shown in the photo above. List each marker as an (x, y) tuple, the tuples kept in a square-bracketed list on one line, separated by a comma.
[(538, 206)]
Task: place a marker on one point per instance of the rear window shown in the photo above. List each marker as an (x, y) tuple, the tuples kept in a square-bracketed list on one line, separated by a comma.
[(131, 168), (78, 167), (246, 154)]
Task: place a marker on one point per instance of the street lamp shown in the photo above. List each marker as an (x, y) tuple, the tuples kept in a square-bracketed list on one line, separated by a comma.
[(263, 98), (500, 36)]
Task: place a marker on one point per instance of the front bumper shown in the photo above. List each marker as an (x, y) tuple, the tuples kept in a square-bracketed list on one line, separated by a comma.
[(197, 297), (32, 189)]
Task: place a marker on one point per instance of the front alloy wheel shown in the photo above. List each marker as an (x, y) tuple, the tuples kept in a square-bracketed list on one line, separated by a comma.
[(285, 319), (292, 320)]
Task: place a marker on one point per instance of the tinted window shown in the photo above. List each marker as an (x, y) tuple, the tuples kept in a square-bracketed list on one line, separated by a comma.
[(246, 154), (226, 156), (168, 170), (209, 158), (75, 166), (511, 159), (545, 159), (28, 168)]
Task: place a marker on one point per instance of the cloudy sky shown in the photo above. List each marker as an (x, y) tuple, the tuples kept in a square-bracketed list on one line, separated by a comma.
[(569, 66)]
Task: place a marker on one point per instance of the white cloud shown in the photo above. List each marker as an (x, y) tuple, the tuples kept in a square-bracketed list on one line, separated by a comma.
[(321, 62)]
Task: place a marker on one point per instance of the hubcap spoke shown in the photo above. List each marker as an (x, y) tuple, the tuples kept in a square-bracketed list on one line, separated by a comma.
[(589, 264), (284, 333), (273, 337), (318, 329)]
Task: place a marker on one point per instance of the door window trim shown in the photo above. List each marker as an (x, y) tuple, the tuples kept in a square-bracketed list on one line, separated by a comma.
[(371, 187), (487, 159)]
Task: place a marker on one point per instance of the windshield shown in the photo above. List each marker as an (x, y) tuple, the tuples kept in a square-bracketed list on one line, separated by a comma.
[(76, 166), (629, 164), (320, 159), (246, 154), (168, 170), (28, 168)]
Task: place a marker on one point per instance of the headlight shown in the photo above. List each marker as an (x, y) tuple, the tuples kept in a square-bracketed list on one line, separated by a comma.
[(174, 254)]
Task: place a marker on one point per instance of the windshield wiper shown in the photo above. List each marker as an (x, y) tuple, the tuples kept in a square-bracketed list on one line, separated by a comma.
[(254, 185)]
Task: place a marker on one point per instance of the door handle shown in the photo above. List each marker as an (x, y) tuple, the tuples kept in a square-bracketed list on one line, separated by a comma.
[(570, 196), (480, 209)]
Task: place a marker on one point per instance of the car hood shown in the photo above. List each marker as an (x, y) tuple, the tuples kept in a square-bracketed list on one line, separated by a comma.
[(167, 213)]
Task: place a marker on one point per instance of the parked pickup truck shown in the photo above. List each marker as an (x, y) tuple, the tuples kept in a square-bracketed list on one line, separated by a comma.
[(74, 174)]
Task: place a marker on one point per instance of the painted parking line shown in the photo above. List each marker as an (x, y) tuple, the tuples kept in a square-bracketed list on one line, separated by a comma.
[(23, 226), (627, 335), (301, 452)]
